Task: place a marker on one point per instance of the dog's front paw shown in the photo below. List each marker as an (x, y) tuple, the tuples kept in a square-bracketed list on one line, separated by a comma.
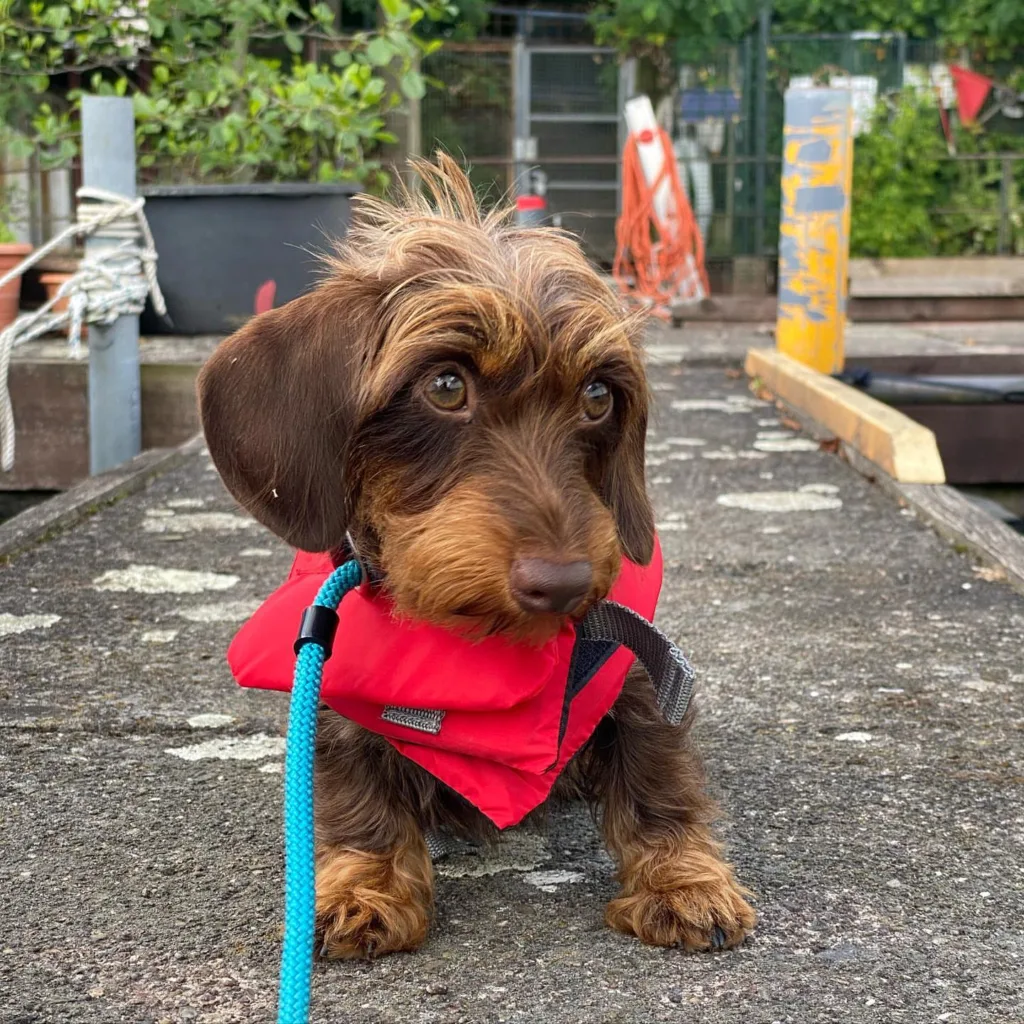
[(372, 904), (687, 898)]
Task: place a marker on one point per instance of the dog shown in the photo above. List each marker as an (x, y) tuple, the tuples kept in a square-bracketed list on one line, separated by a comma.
[(465, 401)]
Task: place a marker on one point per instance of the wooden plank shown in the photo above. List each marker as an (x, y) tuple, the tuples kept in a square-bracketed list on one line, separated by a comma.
[(940, 364), (758, 309), (949, 267), (906, 310), (961, 521), (947, 511), (896, 444), (51, 417), (170, 414), (935, 287)]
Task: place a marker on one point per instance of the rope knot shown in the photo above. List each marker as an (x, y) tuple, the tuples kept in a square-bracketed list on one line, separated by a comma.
[(112, 282)]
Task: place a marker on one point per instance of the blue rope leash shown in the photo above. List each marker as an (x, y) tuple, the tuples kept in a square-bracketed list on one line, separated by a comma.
[(313, 648)]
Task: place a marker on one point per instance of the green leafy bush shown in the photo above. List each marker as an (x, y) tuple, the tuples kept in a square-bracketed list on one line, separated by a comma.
[(239, 90), (911, 199)]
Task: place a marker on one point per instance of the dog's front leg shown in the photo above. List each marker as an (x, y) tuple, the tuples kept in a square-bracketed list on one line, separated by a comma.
[(677, 889), (374, 877)]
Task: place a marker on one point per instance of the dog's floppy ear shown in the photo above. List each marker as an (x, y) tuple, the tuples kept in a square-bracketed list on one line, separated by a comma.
[(278, 404), (626, 492)]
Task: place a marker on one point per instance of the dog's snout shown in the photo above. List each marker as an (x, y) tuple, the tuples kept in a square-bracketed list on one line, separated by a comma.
[(543, 586)]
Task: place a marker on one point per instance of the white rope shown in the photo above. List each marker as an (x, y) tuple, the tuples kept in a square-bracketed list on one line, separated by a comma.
[(108, 284)]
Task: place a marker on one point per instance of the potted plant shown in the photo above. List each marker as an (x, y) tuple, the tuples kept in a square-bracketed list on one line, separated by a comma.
[(255, 123), (12, 252)]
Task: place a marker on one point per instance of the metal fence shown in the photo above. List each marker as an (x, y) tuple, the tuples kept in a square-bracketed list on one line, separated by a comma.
[(534, 90), (745, 158), (40, 203), (469, 110), (536, 96)]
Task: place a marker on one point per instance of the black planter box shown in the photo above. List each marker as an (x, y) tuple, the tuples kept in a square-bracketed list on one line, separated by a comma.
[(218, 243)]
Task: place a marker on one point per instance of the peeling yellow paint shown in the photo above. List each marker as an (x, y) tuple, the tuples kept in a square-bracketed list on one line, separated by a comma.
[(814, 230)]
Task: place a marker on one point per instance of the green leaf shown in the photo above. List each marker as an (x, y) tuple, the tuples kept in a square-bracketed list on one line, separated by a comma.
[(323, 14), (293, 41), (413, 86), (379, 51), (19, 147)]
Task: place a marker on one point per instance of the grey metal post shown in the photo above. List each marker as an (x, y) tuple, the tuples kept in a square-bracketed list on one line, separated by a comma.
[(524, 151), (626, 91), (764, 22), (115, 414)]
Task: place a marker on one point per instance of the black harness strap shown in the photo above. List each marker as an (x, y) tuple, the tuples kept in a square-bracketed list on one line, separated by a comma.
[(670, 673)]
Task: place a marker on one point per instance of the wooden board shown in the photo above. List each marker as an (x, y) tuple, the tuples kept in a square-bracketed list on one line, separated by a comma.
[(939, 364), (728, 308), (170, 414), (947, 511), (51, 416), (936, 288), (937, 277), (895, 443), (961, 521), (913, 310)]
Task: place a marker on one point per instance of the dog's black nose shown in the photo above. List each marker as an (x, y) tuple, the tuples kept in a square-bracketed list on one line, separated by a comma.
[(542, 586)]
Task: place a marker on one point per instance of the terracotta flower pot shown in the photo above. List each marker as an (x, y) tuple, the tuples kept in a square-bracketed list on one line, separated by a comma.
[(52, 283), (11, 254)]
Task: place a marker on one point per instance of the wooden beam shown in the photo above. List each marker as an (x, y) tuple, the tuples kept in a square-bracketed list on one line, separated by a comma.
[(959, 520), (896, 444)]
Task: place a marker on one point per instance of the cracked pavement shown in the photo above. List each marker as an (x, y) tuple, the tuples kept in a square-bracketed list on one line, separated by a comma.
[(862, 696)]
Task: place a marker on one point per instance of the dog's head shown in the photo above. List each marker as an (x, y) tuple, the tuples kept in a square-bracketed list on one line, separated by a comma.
[(467, 399)]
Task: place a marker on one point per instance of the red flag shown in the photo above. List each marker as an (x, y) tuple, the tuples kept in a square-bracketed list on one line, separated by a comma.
[(972, 90)]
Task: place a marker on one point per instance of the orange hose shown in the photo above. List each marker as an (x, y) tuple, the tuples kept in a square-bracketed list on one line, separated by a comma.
[(657, 264)]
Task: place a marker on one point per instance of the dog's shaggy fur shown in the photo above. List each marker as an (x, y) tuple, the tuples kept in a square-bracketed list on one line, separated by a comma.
[(443, 396)]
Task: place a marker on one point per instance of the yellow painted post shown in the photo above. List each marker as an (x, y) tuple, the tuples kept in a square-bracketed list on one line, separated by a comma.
[(814, 228)]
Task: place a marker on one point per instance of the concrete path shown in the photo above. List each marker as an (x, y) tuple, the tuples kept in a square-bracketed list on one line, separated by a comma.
[(725, 343), (863, 703), (712, 343)]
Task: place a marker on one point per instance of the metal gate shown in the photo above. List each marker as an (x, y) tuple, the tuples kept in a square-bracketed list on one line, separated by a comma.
[(569, 125)]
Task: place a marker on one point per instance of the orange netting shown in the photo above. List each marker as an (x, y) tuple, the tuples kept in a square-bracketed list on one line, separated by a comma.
[(657, 264)]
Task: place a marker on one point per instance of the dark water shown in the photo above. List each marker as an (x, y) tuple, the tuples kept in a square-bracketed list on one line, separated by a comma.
[(13, 502)]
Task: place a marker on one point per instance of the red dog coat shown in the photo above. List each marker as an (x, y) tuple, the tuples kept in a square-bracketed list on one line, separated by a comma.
[(495, 720)]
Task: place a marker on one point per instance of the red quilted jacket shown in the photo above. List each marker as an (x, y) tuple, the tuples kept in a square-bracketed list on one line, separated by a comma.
[(495, 720)]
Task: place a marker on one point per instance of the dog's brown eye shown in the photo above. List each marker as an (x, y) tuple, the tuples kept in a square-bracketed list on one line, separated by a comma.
[(447, 391), (597, 400)]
